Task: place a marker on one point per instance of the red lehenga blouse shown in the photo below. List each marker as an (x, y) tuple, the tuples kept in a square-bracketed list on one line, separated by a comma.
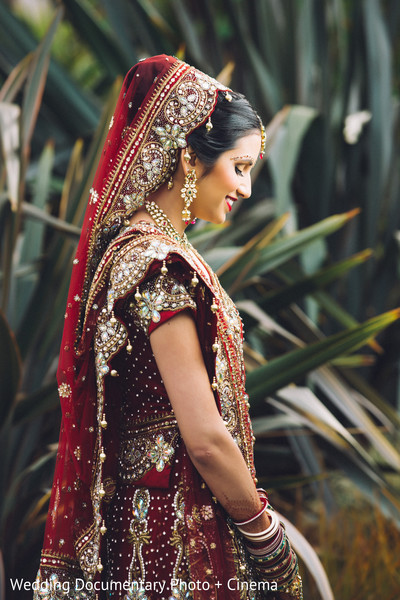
[(164, 529), (163, 535)]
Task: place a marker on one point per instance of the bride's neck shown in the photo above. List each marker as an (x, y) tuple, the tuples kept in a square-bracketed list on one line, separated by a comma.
[(171, 204)]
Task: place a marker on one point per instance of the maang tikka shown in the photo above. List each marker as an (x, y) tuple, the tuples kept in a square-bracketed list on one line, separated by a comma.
[(189, 190)]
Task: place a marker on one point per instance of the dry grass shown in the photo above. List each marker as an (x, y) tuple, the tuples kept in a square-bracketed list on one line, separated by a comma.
[(360, 550)]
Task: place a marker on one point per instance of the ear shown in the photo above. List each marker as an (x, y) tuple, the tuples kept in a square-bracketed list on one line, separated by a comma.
[(187, 164)]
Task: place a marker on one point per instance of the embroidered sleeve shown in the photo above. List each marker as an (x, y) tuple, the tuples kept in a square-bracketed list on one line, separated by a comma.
[(158, 299)]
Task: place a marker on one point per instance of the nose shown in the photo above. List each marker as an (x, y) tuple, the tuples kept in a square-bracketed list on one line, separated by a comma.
[(244, 189)]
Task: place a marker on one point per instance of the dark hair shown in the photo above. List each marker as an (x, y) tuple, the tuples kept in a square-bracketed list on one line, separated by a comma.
[(231, 121)]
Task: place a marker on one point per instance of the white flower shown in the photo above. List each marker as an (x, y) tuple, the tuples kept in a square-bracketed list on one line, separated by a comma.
[(353, 125)]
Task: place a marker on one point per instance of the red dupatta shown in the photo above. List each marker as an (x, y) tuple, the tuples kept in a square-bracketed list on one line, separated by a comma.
[(161, 102)]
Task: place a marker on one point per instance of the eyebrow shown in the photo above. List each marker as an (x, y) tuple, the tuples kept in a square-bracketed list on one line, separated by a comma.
[(245, 158)]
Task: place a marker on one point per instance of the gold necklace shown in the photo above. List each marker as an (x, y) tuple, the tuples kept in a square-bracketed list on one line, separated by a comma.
[(163, 223)]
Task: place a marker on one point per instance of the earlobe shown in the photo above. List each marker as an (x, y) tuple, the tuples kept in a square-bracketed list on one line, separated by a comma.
[(188, 159)]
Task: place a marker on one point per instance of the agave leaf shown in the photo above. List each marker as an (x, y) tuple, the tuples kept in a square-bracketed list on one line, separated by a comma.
[(267, 323), (73, 174), (35, 404), (32, 238), (378, 54), (354, 361), (271, 131), (296, 290), (33, 212), (367, 482), (33, 232), (264, 426), (288, 368), (16, 80), (271, 94), (99, 36), (284, 154), (156, 18), (10, 369), (37, 515), (367, 392), (80, 187), (261, 240), (79, 108), (9, 134), (278, 252), (369, 468), (341, 396), (13, 489), (340, 314), (287, 482), (35, 83), (192, 39), (308, 404)]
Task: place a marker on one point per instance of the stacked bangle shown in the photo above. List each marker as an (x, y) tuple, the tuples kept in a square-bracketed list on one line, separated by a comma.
[(270, 552), (260, 512), (267, 534)]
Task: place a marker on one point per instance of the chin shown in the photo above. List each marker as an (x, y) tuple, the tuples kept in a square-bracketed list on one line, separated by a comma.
[(218, 220)]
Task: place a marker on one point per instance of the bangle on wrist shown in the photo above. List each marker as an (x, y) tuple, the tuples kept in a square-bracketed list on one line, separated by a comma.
[(264, 502), (263, 536)]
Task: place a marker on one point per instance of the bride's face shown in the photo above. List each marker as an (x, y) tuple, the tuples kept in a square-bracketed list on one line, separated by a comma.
[(228, 180)]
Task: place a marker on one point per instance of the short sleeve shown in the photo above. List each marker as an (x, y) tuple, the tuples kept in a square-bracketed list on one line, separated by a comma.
[(159, 298)]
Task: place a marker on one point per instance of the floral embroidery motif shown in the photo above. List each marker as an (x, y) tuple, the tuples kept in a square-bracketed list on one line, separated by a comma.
[(161, 453), (171, 137), (149, 308), (145, 448), (133, 202), (93, 196), (160, 293), (64, 390), (207, 512), (54, 588), (180, 594), (110, 335), (135, 592), (138, 534)]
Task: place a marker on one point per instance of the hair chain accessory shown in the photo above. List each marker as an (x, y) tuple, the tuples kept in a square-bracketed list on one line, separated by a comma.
[(188, 193), (209, 125), (187, 156), (263, 139)]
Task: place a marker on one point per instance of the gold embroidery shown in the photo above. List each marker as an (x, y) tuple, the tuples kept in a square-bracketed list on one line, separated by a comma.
[(162, 293), (64, 390), (176, 539), (129, 265), (138, 534), (144, 448), (184, 97)]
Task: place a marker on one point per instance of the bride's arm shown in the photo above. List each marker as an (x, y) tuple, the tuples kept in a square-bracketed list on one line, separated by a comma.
[(214, 453)]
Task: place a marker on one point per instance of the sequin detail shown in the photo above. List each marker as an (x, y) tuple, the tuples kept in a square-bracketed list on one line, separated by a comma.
[(146, 448), (138, 532), (162, 293), (64, 390)]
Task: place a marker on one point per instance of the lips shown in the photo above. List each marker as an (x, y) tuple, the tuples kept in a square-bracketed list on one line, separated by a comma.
[(229, 201)]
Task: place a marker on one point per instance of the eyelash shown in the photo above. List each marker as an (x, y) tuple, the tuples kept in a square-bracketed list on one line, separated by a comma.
[(238, 171)]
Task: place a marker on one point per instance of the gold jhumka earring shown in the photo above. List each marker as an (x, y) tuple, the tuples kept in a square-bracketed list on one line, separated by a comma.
[(188, 193), (189, 190)]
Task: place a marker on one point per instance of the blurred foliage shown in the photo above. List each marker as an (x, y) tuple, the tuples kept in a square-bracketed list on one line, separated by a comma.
[(324, 392)]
